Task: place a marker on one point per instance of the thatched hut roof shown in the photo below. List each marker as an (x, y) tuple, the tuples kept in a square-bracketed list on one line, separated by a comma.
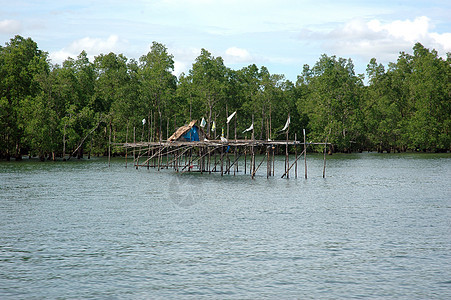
[(184, 129)]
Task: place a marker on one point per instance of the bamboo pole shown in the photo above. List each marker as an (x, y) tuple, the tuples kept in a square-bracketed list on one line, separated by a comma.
[(305, 155), (142, 133), (109, 148), (295, 155), (299, 156), (268, 170), (256, 169), (222, 160), (273, 160), (325, 146), (287, 163), (234, 152), (234, 163), (252, 150), (245, 159), (227, 115), (167, 129), (126, 148), (134, 147)]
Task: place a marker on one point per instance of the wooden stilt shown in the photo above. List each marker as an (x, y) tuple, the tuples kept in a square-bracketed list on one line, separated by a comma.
[(295, 155), (325, 146), (126, 148), (268, 163), (285, 174), (245, 159), (287, 163), (134, 150), (273, 160), (222, 160), (109, 148), (305, 155)]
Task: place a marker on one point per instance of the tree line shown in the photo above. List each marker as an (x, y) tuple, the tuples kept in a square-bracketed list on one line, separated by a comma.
[(50, 110)]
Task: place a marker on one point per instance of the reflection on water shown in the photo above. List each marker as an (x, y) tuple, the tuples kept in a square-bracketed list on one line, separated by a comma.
[(377, 226)]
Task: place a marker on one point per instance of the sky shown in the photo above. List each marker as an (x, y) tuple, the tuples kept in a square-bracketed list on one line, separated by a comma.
[(282, 35)]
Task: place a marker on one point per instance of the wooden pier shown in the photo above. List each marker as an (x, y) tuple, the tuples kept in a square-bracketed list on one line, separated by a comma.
[(227, 157)]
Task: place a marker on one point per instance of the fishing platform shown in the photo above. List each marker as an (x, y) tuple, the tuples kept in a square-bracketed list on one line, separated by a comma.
[(190, 150)]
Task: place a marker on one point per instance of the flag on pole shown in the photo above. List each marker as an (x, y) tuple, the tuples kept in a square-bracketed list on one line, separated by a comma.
[(231, 116), (286, 124), (250, 128), (223, 139), (213, 127), (144, 121), (203, 123)]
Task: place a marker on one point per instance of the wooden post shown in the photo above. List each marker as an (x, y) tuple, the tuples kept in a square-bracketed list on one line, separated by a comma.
[(126, 148), (134, 145), (142, 133), (287, 163), (270, 120), (252, 150), (159, 150), (151, 126), (325, 145), (64, 142), (245, 159), (295, 155), (209, 160), (236, 117), (109, 147), (227, 115), (167, 129), (190, 159), (148, 150), (268, 170), (234, 152), (222, 160), (201, 161), (305, 156), (234, 157), (273, 161)]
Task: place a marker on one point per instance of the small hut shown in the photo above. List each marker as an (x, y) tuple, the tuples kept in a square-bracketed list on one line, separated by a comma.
[(189, 133)]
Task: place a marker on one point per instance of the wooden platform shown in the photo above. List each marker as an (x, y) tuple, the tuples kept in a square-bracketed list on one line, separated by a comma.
[(213, 156)]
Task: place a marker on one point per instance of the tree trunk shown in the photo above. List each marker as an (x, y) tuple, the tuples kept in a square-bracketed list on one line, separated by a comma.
[(80, 152), (18, 156)]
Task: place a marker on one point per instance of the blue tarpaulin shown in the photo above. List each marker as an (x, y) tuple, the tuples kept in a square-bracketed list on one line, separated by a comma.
[(192, 135)]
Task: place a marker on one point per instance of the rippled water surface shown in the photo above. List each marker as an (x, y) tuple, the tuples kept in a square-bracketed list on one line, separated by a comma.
[(378, 226)]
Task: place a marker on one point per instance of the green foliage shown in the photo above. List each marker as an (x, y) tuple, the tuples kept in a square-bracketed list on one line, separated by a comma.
[(51, 110), (331, 97)]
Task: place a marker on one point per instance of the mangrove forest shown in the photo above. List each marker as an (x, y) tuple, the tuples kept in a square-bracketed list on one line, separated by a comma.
[(53, 111)]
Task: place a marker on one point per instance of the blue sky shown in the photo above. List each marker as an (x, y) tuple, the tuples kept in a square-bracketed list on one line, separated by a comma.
[(281, 35)]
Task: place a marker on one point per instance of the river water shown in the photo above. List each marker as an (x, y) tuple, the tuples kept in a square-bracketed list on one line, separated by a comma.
[(378, 226)]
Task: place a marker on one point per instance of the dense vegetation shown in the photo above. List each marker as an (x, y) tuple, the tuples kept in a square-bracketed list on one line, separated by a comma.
[(48, 110)]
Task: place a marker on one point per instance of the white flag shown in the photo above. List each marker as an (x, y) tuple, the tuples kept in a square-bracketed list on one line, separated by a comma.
[(213, 127), (230, 117), (286, 124), (144, 121), (203, 123), (250, 128)]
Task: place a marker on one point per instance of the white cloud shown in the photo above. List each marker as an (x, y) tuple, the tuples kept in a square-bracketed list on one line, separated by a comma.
[(179, 68), (410, 31), (443, 39), (92, 46), (234, 55), (97, 45), (10, 27), (383, 40)]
